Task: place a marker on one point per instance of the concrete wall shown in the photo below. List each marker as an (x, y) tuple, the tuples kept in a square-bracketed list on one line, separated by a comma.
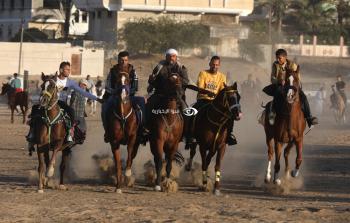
[(46, 57)]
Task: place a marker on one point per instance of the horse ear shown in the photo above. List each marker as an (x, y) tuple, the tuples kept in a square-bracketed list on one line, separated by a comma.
[(225, 85), (42, 76), (234, 86)]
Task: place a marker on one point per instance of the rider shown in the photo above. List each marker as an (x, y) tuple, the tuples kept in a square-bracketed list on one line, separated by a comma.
[(214, 81), (340, 86), (122, 66), (277, 74), (16, 83), (163, 71), (63, 84)]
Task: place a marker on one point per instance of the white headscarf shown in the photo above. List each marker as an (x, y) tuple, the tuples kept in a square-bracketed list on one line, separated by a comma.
[(171, 52)]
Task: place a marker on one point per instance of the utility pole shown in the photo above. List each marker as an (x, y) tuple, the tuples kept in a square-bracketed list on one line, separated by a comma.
[(20, 47)]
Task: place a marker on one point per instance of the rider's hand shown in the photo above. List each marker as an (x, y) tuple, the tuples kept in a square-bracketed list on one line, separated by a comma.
[(211, 94), (100, 100)]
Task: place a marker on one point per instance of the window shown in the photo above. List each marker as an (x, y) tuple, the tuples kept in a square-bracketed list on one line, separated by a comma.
[(9, 31), (2, 4), (109, 14), (98, 14), (1, 33), (12, 4), (84, 17), (76, 16), (52, 4)]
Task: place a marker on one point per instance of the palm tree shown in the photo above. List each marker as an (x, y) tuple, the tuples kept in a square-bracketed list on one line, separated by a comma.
[(313, 15), (343, 12), (277, 10)]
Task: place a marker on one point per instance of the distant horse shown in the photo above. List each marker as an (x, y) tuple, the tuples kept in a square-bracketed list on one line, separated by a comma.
[(288, 128), (14, 99), (338, 106), (210, 131), (50, 132), (98, 92), (166, 127), (122, 127)]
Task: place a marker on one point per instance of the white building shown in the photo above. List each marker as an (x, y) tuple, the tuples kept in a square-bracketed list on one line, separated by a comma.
[(46, 15), (107, 16)]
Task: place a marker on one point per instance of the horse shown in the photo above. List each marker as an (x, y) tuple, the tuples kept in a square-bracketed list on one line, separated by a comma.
[(288, 128), (338, 106), (50, 132), (210, 131), (122, 128), (166, 128), (14, 99)]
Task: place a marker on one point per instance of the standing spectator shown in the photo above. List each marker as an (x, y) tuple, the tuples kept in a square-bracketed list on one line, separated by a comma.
[(77, 102), (320, 97), (90, 83)]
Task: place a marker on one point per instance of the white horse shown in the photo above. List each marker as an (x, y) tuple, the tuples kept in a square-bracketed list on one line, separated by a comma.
[(98, 92)]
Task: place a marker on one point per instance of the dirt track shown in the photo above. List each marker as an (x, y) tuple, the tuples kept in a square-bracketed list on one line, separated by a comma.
[(322, 193)]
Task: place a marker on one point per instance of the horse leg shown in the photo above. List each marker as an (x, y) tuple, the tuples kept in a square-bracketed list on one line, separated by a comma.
[(286, 154), (12, 111), (51, 170), (204, 166), (118, 166), (65, 158), (219, 157), (131, 156), (278, 151), (158, 161), (269, 142), (299, 148), (41, 171), (188, 166), (24, 114)]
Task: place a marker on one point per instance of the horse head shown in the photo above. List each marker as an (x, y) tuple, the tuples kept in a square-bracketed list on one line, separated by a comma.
[(292, 85), (48, 95), (229, 98), (123, 86), (173, 84), (6, 88)]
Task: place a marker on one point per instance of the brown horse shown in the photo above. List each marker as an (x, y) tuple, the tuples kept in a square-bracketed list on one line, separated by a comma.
[(50, 132), (288, 128), (338, 106), (122, 128), (14, 99), (210, 131), (166, 128)]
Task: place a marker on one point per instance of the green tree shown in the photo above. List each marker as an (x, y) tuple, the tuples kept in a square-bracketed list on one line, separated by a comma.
[(148, 35)]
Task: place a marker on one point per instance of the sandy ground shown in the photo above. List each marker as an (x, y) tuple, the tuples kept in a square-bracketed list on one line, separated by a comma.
[(320, 194)]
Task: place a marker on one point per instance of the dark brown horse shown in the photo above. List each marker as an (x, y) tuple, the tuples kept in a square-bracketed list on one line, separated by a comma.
[(166, 128), (14, 99), (338, 106), (288, 128), (50, 132), (122, 127), (210, 131)]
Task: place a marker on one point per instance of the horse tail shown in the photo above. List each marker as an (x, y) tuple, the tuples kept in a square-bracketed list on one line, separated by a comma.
[(179, 158)]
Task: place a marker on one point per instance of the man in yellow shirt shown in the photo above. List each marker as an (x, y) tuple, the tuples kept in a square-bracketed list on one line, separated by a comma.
[(214, 81)]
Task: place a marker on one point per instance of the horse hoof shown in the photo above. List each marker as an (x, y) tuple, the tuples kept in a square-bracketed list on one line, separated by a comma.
[(40, 191), (118, 191), (188, 167), (217, 192), (50, 171), (267, 178), (277, 182), (295, 173), (157, 188), (62, 187), (128, 172)]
